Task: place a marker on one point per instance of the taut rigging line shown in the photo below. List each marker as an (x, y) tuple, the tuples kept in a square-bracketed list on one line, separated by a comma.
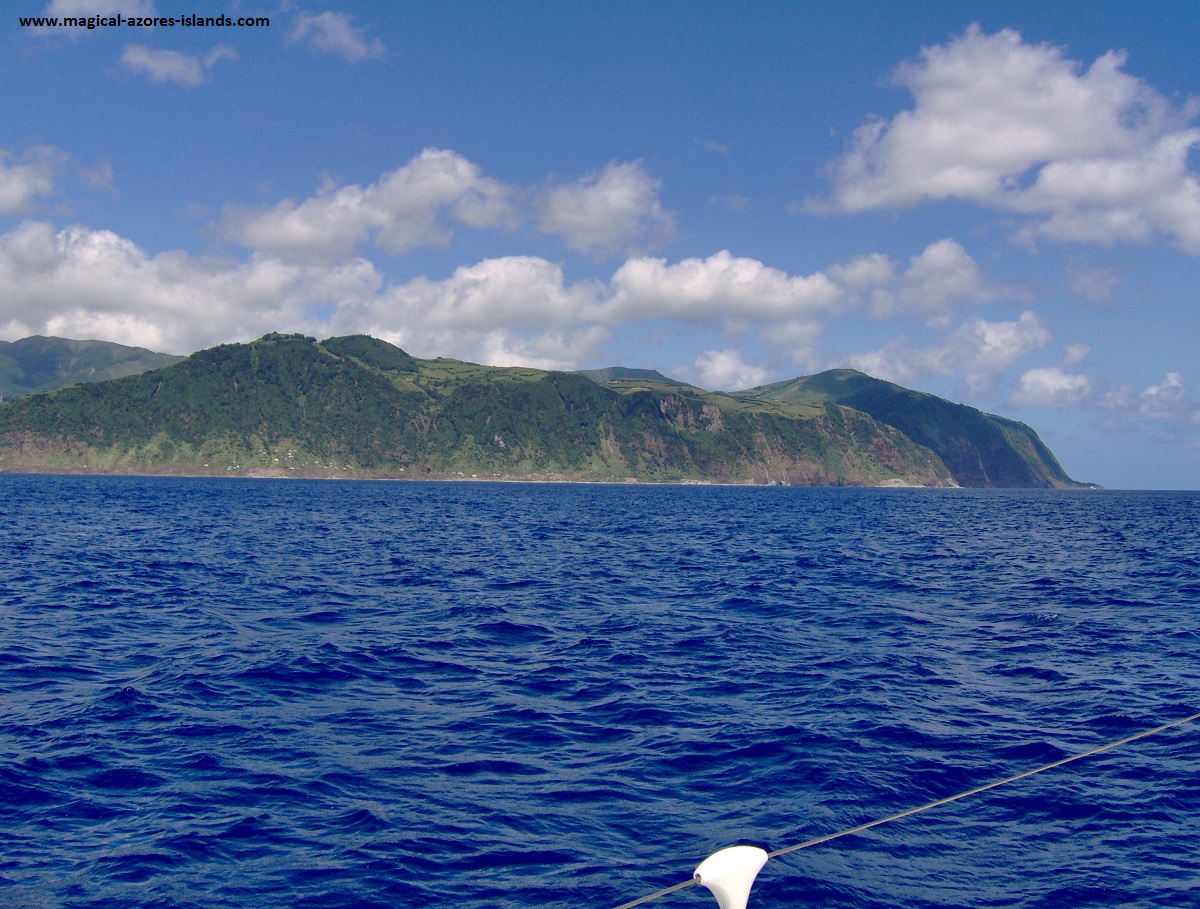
[(816, 841)]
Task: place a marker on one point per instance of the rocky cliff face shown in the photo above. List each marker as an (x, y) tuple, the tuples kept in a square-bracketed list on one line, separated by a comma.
[(287, 405), (979, 449)]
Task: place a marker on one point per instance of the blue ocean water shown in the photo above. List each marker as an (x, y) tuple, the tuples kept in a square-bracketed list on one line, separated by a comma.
[(323, 694)]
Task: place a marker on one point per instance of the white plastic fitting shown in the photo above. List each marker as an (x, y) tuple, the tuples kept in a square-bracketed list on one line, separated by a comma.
[(730, 874)]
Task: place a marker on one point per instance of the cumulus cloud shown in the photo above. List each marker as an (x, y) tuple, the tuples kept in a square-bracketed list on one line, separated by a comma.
[(978, 351), (485, 308), (161, 66), (614, 209), (99, 7), (24, 179), (515, 291), (795, 342), (1166, 398), (718, 289), (1091, 155), (864, 273), (547, 350), (943, 274), (1166, 405), (87, 9), (940, 277), (83, 283), (1052, 386), (405, 208), (738, 294), (417, 204), (80, 282), (511, 311), (726, 370), (334, 33)]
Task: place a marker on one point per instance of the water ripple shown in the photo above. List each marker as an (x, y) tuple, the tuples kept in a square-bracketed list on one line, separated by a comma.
[(218, 693)]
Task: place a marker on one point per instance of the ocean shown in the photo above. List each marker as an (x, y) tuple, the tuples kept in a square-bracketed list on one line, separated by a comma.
[(241, 693)]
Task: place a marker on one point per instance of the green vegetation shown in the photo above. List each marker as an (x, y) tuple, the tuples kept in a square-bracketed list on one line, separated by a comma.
[(287, 405), (357, 406), (41, 364), (980, 449), (618, 373)]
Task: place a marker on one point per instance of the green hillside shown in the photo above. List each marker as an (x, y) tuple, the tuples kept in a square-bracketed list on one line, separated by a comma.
[(626, 374), (41, 364), (286, 405), (980, 449)]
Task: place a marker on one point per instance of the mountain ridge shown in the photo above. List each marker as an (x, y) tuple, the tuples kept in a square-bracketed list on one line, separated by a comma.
[(979, 448), (627, 374), (39, 363), (355, 406)]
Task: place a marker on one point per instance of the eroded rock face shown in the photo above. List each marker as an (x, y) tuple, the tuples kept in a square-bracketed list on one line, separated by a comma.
[(288, 405)]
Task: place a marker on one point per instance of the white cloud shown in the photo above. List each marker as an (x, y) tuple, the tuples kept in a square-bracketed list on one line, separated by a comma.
[(863, 274), (83, 283), (333, 33), (416, 204), (795, 342), (548, 350), (1166, 405), (79, 282), (1166, 398), (1091, 155), (943, 274), (89, 9), (978, 351), (1075, 353), (173, 66), (1052, 386), (937, 279), (511, 311), (22, 180), (615, 209), (99, 7), (1094, 284), (982, 349), (726, 370), (406, 208), (481, 310), (470, 311), (719, 289), (1112, 200), (515, 291), (1151, 401)]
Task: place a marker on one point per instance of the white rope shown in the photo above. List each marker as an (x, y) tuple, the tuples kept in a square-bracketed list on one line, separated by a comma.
[(816, 841)]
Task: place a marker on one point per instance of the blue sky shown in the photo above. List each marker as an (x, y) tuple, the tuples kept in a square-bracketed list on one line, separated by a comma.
[(997, 203)]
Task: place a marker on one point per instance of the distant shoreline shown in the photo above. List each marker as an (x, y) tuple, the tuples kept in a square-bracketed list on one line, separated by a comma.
[(354, 474)]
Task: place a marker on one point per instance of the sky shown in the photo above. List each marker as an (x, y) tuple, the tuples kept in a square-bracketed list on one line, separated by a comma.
[(996, 203)]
